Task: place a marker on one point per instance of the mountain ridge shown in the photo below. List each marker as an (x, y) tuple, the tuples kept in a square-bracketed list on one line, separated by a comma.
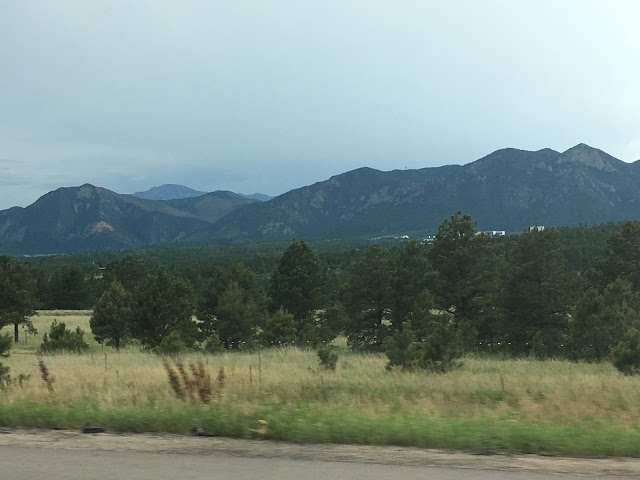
[(168, 191), (509, 189)]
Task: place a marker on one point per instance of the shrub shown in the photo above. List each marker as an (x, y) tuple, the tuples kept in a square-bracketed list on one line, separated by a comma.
[(279, 330), (402, 349), (626, 355), (436, 349), (5, 345), (328, 358), (172, 344), (442, 347), (61, 339), (213, 344)]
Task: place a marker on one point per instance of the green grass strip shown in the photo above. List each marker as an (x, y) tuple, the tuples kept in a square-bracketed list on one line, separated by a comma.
[(334, 425)]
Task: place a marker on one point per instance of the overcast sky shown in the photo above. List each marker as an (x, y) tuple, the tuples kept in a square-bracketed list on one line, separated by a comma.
[(269, 95)]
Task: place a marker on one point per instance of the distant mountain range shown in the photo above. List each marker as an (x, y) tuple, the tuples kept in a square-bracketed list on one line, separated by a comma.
[(93, 218), (507, 190), (168, 191), (171, 191)]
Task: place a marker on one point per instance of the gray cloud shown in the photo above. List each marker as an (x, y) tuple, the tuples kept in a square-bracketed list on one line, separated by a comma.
[(268, 96)]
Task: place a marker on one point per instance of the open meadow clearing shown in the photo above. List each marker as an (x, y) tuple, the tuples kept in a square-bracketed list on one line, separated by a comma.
[(557, 407)]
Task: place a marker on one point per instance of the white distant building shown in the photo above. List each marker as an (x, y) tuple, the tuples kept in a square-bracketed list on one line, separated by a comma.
[(540, 228), (494, 233)]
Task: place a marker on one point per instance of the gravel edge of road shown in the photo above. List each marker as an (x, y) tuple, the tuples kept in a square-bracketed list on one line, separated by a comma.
[(387, 455)]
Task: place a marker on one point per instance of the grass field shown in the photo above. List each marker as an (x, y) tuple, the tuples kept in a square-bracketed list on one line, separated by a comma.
[(553, 407)]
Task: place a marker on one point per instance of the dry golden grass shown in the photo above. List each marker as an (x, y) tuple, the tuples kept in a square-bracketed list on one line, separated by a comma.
[(42, 321), (555, 391)]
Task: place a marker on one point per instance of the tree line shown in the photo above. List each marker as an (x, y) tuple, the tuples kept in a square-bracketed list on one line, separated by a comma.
[(531, 294)]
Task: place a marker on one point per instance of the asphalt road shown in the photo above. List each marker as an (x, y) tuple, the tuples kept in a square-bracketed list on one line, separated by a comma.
[(71, 455), (28, 463)]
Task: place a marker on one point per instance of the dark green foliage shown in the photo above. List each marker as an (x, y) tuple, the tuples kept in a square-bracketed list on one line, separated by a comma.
[(443, 345), (601, 320), (68, 290), (622, 258), (213, 344), (61, 339), (626, 355), (539, 294), (334, 318), (314, 331), (237, 317), (17, 294), (163, 304), (589, 332), (429, 340), (5, 346), (435, 347), (468, 273), (403, 349), (367, 297), (235, 325), (172, 344), (111, 319), (298, 282), (328, 358), (128, 271), (584, 245), (411, 273), (280, 329)]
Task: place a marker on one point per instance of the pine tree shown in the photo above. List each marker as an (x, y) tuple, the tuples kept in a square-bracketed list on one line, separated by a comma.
[(368, 297), (111, 317), (280, 330), (67, 289), (214, 288), (411, 273), (163, 304), (539, 294), (17, 294), (467, 284), (129, 271), (298, 282), (237, 317)]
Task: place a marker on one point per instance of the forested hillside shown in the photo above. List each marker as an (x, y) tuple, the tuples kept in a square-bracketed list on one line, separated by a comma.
[(570, 293)]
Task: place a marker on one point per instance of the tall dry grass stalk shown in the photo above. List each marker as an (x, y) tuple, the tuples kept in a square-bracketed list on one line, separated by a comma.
[(196, 386), (47, 378)]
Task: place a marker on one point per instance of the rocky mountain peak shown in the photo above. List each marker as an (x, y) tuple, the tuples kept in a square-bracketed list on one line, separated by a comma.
[(589, 156)]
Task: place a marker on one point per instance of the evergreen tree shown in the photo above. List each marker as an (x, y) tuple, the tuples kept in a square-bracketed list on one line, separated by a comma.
[(129, 271), (412, 273), (163, 304), (368, 297), (602, 319), (297, 283), (112, 315), (237, 317), (214, 287), (539, 294), (626, 354), (429, 340), (17, 294), (622, 259), (67, 289), (61, 339), (468, 272), (280, 330)]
